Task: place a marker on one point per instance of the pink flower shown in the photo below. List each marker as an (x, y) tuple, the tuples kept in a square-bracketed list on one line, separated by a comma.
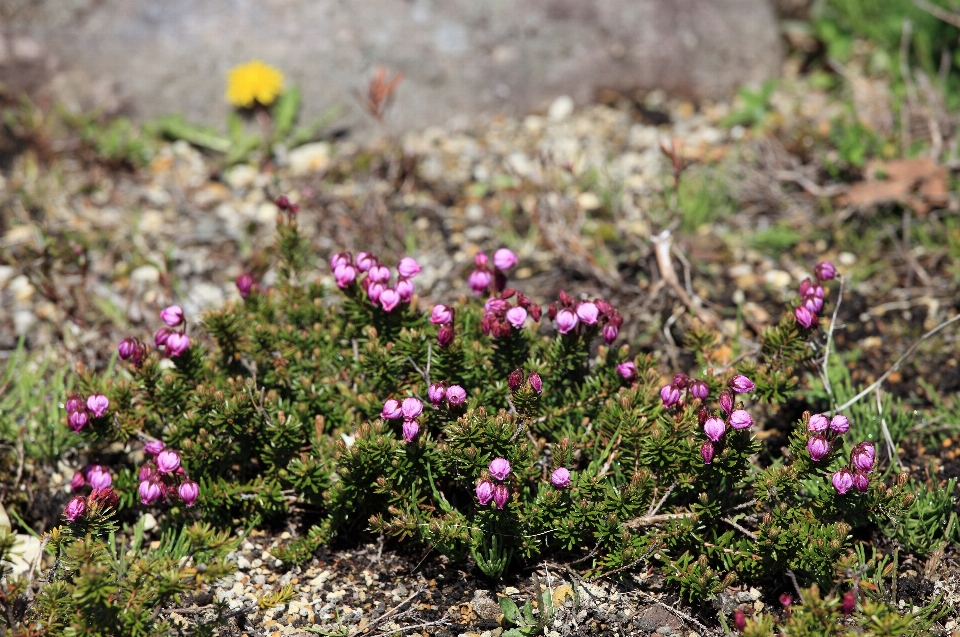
[(410, 430), (244, 284), (160, 338), (714, 428), (699, 389), (408, 267), (146, 472), (172, 316), (345, 274), (805, 317), (391, 410), (99, 478), (627, 370), (150, 492), (566, 321), (839, 424), (706, 452), (726, 401), (861, 481), (610, 332), (741, 384), (825, 271), (374, 291), (479, 281), (516, 316), (127, 348), (75, 508), (97, 404), (365, 261), (813, 304), (680, 381), (189, 491), (494, 304), (818, 424), (670, 395), (436, 393), (504, 259), (168, 461), (501, 494), (339, 259), (153, 447), (405, 289), (499, 468), (176, 344), (536, 383), (560, 478), (739, 620), (818, 447), (379, 274), (456, 395), (849, 602), (411, 408), (441, 315), (862, 457), (77, 420), (78, 481), (481, 260), (445, 336), (485, 492), (587, 312), (740, 419), (389, 299), (843, 480)]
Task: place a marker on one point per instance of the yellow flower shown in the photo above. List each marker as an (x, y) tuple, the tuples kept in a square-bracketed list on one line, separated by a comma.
[(253, 82)]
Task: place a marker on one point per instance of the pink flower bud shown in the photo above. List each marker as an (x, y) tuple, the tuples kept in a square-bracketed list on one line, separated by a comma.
[(436, 393), (818, 447), (504, 259), (391, 410), (345, 274), (172, 316), (627, 370), (75, 508), (839, 424), (825, 271), (405, 289), (379, 274), (813, 304), (714, 428), (786, 600), (99, 477), (501, 494), (516, 316), (741, 384), (176, 344), (670, 395), (408, 267), (739, 620), (481, 260), (75, 403), (78, 481), (105, 497), (610, 332), (680, 381), (560, 478), (862, 457), (77, 420), (485, 492), (97, 404), (411, 408), (726, 401), (479, 281), (496, 305), (740, 419), (861, 481), (587, 312), (706, 452), (410, 430), (127, 348), (456, 395), (189, 491), (365, 261), (499, 468), (699, 389), (566, 321), (843, 480), (536, 383), (168, 461), (389, 299), (849, 602), (146, 472), (244, 284), (445, 336), (805, 318), (160, 338), (374, 291), (150, 492), (515, 379), (441, 315), (818, 424), (153, 447)]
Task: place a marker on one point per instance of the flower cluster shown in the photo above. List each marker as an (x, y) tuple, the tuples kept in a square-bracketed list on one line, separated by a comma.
[(671, 395), (408, 409), (131, 349), (80, 411), (579, 318), (95, 475), (482, 277), (811, 295), (516, 380), (173, 341), (455, 395), (858, 470), (499, 493), (443, 315), (730, 415), (78, 505), (163, 478), (500, 317), (376, 278), (825, 432)]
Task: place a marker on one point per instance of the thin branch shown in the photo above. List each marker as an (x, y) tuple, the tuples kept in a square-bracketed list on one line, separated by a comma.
[(656, 507), (897, 364), (941, 14), (750, 534), (647, 520), (390, 613), (826, 353), (444, 621), (678, 613), (891, 448)]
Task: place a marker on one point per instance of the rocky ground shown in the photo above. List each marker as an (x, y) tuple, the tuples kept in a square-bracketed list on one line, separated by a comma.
[(90, 252)]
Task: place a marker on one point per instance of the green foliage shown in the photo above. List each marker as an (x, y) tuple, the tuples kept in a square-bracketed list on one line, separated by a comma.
[(523, 621), (702, 196), (753, 106)]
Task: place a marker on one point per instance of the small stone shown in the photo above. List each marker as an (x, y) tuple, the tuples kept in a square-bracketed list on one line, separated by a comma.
[(777, 279), (847, 258), (664, 630), (243, 563), (589, 201), (149, 522), (147, 274), (561, 108), (241, 176), (310, 158)]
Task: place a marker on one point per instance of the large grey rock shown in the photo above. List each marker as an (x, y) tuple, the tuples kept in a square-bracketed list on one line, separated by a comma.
[(461, 58)]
